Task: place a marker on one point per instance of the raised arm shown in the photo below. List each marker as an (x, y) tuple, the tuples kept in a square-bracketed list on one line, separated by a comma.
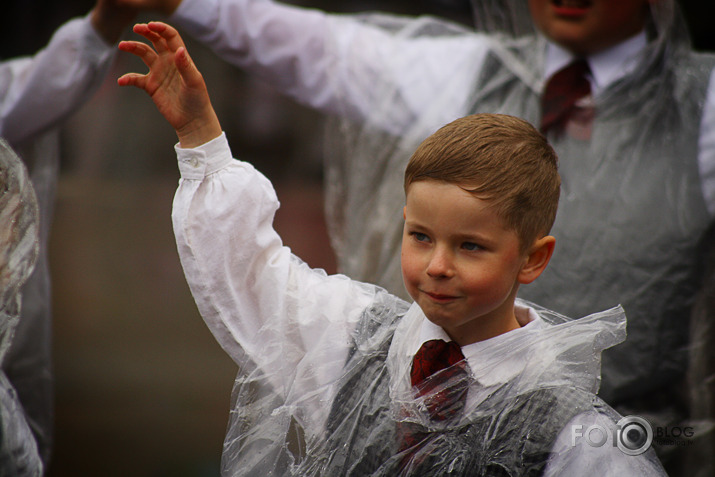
[(259, 301), (38, 92)]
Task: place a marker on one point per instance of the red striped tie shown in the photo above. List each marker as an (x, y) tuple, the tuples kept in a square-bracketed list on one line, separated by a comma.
[(438, 372), (562, 92), (440, 375)]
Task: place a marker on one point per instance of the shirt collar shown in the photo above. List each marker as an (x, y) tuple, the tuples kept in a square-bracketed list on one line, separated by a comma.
[(496, 360), (607, 66)]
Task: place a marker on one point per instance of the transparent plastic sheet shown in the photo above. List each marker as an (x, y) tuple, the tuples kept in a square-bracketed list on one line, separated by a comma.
[(700, 460), (632, 218), (19, 245), (28, 363), (371, 405)]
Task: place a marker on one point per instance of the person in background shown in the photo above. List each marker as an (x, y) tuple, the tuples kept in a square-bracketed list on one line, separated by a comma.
[(36, 94), (19, 246)]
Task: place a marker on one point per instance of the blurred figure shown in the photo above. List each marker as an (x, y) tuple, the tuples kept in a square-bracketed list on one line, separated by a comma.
[(36, 94), (19, 242)]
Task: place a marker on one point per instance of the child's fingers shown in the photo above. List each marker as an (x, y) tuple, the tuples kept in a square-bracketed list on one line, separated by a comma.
[(132, 79), (168, 33), (155, 38), (188, 71), (142, 50), (190, 74)]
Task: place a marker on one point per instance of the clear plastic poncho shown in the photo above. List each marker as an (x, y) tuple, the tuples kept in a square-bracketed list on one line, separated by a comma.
[(509, 428), (18, 252)]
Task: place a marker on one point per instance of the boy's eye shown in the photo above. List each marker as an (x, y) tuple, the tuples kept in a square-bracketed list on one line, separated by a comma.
[(470, 246), (420, 237)]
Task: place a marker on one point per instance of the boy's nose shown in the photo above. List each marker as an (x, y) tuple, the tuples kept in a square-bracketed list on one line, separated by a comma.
[(440, 264)]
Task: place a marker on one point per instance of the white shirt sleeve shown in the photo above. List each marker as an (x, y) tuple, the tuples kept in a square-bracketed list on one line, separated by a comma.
[(706, 156), (39, 91), (293, 322), (335, 63), (586, 446)]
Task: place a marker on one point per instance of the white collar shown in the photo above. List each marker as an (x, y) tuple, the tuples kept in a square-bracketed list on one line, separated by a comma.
[(606, 67), (496, 360)]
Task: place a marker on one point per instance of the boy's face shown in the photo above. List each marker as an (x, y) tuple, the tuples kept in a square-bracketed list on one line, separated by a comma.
[(588, 26), (459, 262)]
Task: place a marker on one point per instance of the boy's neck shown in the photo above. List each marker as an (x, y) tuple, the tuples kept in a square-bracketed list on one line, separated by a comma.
[(490, 328), (431, 330)]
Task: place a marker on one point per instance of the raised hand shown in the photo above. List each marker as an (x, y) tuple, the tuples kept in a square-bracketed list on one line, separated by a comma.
[(173, 82)]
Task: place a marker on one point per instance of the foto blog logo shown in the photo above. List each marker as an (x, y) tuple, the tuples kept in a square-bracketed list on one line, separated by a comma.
[(633, 435)]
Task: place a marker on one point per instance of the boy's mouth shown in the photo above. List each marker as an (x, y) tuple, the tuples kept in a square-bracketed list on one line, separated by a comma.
[(571, 7), (439, 297)]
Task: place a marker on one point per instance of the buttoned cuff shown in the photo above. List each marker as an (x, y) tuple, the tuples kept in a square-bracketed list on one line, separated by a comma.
[(197, 163)]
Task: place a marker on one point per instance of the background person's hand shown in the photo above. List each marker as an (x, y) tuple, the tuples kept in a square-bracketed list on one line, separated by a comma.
[(111, 17), (166, 7)]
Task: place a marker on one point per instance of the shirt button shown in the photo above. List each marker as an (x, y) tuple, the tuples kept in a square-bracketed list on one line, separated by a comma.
[(194, 162)]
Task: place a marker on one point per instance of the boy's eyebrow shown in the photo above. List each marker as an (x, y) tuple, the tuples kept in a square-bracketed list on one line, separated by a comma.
[(412, 223)]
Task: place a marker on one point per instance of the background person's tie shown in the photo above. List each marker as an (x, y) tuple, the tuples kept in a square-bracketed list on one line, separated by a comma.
[(561, 94)]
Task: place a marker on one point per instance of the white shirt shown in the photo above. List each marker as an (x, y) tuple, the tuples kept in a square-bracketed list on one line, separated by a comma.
[(492, 362), (37, 92), (270, 310)]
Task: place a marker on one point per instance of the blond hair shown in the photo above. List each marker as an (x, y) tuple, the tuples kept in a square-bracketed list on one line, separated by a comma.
[(498, 158)]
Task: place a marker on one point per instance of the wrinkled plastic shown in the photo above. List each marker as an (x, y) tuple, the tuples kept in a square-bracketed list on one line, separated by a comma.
[(28, 363), (19, 245), (372, 405)]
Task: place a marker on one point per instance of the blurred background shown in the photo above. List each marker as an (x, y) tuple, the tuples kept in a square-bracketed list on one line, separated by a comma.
[(142, 388)]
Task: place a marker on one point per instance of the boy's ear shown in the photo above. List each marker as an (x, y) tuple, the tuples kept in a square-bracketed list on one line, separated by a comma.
[(404, 213), (539, 255)]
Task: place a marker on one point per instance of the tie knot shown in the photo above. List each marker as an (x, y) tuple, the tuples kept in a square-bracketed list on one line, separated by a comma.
[(440, 376), (434, 356), (577, 69), (562, 92)]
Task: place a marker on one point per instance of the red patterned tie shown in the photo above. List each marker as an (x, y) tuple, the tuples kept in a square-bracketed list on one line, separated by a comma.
[(562, 92), (439, 374)]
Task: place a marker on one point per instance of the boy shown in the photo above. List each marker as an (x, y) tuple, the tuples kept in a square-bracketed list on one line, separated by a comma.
[(339, 377)]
